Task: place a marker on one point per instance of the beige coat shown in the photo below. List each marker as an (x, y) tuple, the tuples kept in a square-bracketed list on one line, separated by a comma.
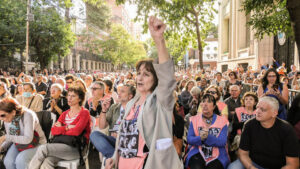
[(155, 120)]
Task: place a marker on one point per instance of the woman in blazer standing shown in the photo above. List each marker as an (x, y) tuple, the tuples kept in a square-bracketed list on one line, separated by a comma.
[(145, 134)]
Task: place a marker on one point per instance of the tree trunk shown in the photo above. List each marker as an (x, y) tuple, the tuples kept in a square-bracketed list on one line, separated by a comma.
[(293, 6), (199, 44)]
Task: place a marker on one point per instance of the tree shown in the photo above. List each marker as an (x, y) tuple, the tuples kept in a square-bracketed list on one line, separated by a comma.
[(119, 48), (50, 35), (189, 18), (273, 16), (12, 27)]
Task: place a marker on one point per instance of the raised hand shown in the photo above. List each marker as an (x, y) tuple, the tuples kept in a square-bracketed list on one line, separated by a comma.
[(157, 28)]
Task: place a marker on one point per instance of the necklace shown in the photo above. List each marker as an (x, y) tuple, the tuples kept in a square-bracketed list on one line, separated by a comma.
[(208, 120)]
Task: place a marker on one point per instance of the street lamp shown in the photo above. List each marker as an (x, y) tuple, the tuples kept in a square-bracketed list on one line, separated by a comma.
[(29, 17)]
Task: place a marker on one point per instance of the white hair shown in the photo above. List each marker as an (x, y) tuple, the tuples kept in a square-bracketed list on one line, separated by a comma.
[(58, 86), (271, 101), (232, 86), (195, 90)]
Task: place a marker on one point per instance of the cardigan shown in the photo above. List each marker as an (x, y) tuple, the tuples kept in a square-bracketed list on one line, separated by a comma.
[(155, 120), (82, 122)]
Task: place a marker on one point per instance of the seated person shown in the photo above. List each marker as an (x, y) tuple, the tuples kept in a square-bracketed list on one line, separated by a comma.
[(267, 141), (111, 117), (73, 122), (207, 138), (56, 103)]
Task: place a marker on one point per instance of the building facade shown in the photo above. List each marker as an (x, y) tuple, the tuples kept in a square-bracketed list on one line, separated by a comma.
[(237, 43)]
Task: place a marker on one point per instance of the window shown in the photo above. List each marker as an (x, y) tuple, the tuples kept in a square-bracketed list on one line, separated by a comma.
[(215, 55), (207, 48), (215, 48), (207, 56)]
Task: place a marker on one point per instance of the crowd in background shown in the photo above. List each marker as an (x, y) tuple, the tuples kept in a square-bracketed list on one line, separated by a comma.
[(154, 117)]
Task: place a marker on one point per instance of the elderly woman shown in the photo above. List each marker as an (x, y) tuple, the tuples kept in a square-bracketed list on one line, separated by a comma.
[(73, 122), (24, 134), (271, 86), (242, 114), (233, 80), (56, 103), (222, 107), (207, 137), (148, 116)]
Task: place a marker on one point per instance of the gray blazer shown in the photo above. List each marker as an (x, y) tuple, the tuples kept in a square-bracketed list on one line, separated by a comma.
[(155, 120)]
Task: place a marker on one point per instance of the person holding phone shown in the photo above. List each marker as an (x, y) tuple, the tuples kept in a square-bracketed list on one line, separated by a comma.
[(271, 86)]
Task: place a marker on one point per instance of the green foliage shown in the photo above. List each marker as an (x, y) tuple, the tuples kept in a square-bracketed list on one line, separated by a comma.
[(119, 47), (50, 36), (269, 17), (12, 27), (186, 19), (98, 15)]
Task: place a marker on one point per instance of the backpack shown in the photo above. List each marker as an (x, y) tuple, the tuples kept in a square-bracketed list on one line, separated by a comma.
[(45, 122)]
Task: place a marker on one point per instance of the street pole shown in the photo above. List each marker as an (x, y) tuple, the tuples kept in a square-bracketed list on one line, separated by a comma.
[(27, 37)]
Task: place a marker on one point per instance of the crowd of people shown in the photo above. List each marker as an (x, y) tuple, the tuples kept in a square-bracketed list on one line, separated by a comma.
[(154, 118)]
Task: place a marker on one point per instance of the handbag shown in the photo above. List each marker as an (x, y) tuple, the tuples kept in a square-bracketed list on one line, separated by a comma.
[(65, 139), (34, 143)]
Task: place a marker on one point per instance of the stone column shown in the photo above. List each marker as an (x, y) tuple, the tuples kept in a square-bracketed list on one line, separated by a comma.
[(77, 62)]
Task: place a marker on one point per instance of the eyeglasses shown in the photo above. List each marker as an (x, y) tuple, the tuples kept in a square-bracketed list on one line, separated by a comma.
[(3, 115), (211, 92), (95, 88), (231, 74)]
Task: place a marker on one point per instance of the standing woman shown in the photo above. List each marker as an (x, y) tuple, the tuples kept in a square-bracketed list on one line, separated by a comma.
[(271, 86), (207, 138), (72, 122), (145, 134), (186, 95), (24, 134)]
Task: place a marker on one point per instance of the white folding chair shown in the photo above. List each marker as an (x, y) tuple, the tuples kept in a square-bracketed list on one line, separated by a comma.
[(73, 164)]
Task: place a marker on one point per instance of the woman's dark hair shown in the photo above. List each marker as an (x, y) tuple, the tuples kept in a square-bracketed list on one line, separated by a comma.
[(79, 91), (16, 90), (70, 76), (265, 81), (109, 84), (211, 98), (148, 63), (251, 94), (9, 104), (234, 74)]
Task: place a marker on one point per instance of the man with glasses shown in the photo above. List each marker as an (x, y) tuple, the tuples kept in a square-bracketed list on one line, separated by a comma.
[(111, 116), (30, 98), (233, 101), (69, 80)]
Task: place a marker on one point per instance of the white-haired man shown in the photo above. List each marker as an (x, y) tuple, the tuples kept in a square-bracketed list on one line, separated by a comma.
[(267, 141)]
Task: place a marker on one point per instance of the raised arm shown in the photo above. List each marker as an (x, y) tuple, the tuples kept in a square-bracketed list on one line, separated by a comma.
[(157, 28)]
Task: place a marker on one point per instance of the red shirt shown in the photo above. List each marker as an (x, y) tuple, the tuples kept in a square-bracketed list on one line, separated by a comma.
[(82, 122)]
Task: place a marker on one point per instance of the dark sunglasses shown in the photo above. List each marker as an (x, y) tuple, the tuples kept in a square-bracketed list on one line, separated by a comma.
[(3, 115), (211, 92), (95, 88)]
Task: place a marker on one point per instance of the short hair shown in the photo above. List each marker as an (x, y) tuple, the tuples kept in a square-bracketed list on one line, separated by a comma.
[(195, 90), (9, 104), (132, 90), (58, 86), (79, 91), (61, 79), (32, 86), (234, 85), (101, 84), (247, 94), (210, 99), (70, 76), (271, 101), (148, 63), (234, 74), (83, 84)]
